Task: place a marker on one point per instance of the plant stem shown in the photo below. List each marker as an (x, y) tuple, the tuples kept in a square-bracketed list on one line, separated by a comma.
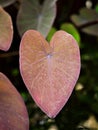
[(9, 54)]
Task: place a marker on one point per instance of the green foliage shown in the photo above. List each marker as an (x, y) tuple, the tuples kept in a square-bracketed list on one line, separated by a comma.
[(15, 72), (50, 34), (96, 8)]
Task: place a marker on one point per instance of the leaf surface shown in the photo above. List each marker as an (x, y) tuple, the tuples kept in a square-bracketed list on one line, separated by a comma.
[(85, 16), (32, 15), (87, 20), (93, 29), (6, 30), (13, 113), (5, 3), (49, 71)]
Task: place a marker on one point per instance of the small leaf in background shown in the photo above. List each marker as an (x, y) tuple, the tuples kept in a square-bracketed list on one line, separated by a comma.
[(50, 34), (6, 30), (93, 30), (70, 28), (87, 21), (86, 16), (5, 3), (15, 72), (49, 71), (13, 113), (32, 15)]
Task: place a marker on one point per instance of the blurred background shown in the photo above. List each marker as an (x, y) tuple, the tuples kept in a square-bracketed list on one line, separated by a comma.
[(79, 18)]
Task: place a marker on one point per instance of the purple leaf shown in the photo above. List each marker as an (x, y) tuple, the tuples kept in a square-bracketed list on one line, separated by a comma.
[(6, 30), (13, 113), (49, 71)]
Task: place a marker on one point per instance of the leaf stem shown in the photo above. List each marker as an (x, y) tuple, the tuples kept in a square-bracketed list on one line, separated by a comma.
[(9, 54)]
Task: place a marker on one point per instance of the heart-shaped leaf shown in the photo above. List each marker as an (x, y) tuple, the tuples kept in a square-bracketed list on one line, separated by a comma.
[(5, 3), (32, 15), (6, 30), (13, 113), (49, 71)]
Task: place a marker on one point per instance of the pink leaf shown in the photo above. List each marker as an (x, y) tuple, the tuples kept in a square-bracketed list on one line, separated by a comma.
[(13, 113), (6, 30), (50, 71)]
